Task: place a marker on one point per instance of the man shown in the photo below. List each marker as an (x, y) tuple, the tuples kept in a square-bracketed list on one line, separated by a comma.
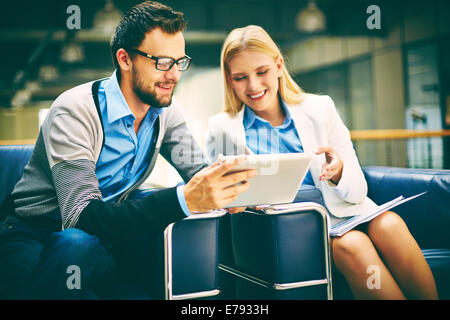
[(99, 141)]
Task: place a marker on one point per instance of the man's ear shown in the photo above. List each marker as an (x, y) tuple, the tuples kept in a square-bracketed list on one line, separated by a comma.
[(123, 59)]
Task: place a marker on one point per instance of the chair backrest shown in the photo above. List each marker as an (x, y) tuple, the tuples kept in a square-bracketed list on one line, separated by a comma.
[(13, 160)]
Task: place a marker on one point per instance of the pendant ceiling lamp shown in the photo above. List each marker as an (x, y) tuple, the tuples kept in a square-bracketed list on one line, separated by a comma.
[(311, 18), (107, 19)]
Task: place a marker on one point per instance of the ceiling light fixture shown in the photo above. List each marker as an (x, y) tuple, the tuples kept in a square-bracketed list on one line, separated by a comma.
[(72, 52), (311, 18), (107, 19)]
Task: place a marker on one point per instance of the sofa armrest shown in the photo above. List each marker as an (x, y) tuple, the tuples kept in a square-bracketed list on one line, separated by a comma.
[(190, 254), (427, 217), (191, 257)]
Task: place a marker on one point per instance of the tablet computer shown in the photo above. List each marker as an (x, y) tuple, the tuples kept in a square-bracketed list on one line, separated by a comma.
[(279, 178)]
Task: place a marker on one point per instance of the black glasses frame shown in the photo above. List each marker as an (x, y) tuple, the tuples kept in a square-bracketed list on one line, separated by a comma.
[(172, 60)]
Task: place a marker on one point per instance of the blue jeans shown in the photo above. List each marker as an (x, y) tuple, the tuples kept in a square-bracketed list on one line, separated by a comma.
[(70, 264)]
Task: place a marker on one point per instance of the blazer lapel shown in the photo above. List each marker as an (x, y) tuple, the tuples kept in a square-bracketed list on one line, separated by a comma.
[(236, 131), (304, 127), (307, 135)]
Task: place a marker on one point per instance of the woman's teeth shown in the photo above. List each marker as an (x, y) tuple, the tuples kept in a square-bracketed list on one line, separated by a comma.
[(258, 95)]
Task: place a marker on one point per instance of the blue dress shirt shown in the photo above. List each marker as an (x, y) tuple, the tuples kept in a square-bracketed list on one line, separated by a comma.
[(124, 157), (262, 138)]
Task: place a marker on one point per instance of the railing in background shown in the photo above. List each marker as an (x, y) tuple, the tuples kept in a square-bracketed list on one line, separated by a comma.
[(15, 142), (394, 147), (403, 148)]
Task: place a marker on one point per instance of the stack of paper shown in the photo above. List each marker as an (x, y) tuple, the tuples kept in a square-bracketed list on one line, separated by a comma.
[(340, 226)]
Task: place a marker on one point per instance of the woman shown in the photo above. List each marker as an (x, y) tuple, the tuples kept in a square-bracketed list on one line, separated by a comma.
[(266, 111)]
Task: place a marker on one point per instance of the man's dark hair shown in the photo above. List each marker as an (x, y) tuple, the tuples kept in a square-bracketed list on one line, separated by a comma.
[(141, 19)]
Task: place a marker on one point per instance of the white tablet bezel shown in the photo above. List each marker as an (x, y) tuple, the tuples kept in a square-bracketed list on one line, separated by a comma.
[(278, 180)]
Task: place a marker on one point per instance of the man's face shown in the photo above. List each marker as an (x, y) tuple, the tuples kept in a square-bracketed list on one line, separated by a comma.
[(152, 86)]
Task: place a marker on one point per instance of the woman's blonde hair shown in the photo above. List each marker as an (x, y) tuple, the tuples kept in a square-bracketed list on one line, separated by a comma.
[(254, 38)]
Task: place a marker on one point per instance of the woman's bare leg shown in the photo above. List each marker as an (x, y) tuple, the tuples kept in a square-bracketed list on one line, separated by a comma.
[(356, 258), (403, 256)]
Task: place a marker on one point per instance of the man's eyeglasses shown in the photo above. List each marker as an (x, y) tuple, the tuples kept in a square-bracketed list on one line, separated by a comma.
[(166, 63)]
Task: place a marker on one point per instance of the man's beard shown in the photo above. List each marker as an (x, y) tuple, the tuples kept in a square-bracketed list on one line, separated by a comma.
[(148, 97)]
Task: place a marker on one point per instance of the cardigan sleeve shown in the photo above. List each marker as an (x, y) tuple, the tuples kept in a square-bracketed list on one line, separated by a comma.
[(71, 139)]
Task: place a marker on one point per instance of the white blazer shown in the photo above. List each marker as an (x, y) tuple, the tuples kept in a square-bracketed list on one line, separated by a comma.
[(318, 124)]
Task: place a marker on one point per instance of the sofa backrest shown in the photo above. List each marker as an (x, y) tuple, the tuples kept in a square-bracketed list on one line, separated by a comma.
[(12, 162), (427, 217)]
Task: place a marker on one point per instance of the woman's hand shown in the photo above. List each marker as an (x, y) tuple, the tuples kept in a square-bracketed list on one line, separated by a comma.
[(333, 166)]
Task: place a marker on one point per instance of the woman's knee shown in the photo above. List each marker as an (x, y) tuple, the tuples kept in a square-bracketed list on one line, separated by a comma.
[(385, 226), (350, 247)]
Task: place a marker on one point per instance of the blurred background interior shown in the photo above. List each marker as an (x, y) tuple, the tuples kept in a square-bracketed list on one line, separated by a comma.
[(391, 85)]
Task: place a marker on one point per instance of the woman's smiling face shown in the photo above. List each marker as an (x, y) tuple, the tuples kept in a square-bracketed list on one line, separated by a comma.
[(254, 78)]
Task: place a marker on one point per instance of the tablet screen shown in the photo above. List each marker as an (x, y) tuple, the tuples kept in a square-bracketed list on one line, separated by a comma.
[(278, 180)]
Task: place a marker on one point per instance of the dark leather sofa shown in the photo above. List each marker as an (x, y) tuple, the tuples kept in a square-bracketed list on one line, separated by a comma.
[(427, 217), (260, 251)]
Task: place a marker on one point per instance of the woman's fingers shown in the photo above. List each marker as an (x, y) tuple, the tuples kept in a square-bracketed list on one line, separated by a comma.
[(333, 164), (327, 173)]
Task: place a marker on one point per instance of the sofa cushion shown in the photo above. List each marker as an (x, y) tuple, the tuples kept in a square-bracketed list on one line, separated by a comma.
[(439, 262)]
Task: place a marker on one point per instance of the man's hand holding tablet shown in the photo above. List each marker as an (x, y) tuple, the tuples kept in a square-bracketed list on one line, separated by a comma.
[(216, 186), (278, 180)]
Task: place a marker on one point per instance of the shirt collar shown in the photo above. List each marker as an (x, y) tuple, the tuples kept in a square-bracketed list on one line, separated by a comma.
[(250, 117), (117, 105)]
